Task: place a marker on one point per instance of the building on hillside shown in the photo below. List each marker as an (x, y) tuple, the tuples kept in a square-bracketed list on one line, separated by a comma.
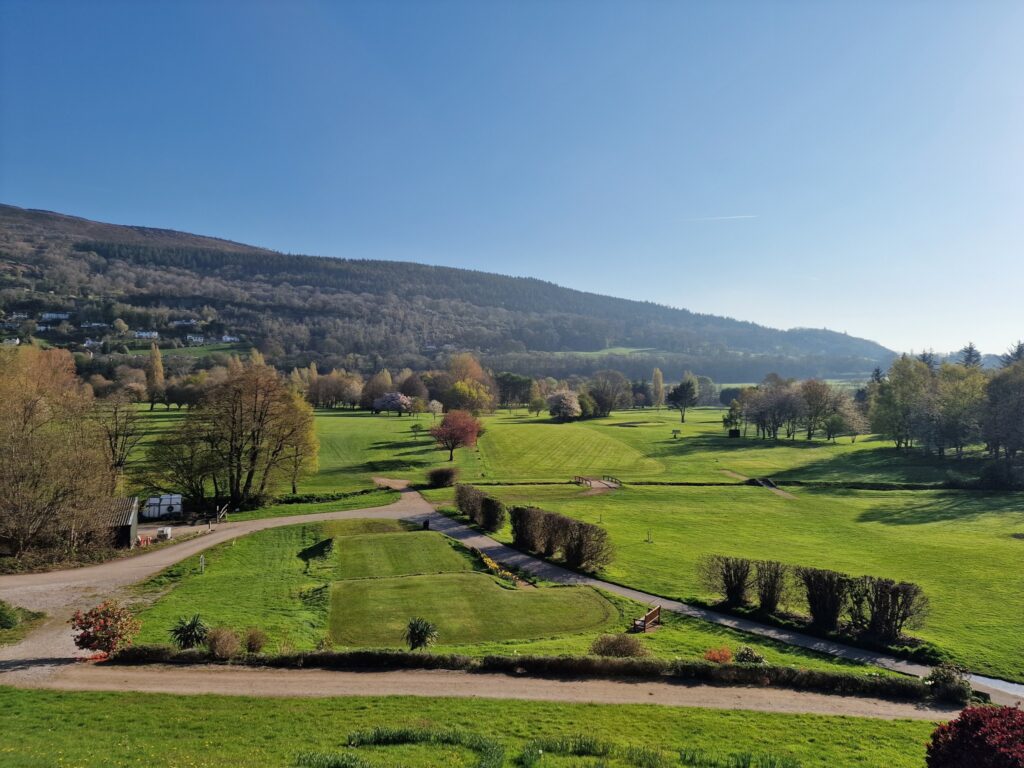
[(12, 342), (92, 344), (184, 323), (55, 316), (195, 338), (228, 339), (122, 520), (147, 335)]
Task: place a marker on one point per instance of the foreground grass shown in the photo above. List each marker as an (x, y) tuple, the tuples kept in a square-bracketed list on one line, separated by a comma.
[(962, 547), (356, 583), (89, 730)]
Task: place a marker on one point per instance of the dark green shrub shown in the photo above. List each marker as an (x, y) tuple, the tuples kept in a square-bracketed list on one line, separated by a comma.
[(9, 616), (469, 501), (747, 655), (981, 737), (771, 580), (826, 592), (492, 514), (419, 633), (189, 633), (587, 547), (442, 477), (619, 646), (948, 682)]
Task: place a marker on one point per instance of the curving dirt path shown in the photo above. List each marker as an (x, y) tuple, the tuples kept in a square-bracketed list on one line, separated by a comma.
[(241, 681), (46, 658)]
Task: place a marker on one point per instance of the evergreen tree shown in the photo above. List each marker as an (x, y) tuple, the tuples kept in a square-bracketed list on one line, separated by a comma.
[(156, 387), (657, 388), (970, 357)]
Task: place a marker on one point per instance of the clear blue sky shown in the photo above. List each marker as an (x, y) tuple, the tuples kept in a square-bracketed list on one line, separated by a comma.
[(855, 165)]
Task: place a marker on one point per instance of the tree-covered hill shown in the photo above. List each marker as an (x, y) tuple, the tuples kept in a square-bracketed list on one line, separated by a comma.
[(361, 313)]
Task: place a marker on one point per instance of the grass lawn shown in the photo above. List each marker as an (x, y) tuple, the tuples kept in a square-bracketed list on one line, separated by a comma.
[(358, 582), (40, 729), (960, 546), (379, 498), (27, 621), (467, 608)]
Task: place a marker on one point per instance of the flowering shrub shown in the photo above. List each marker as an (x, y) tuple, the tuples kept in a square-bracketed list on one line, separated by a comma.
[(948, 682), (747, 655), (981, 737), (718, 655), (495, 568), (107, 628)]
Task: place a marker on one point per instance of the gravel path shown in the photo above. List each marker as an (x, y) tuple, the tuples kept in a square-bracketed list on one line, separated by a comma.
[(47, 656)]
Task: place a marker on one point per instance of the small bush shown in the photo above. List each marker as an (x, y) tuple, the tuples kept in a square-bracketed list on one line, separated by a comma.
[(948, 682), (442, 477), (189, 633), (747, 655), (827, 593), (9, 617), (107, 628), (419, 633), (223, 643), (254, 640), (619, 646), (981, 737), (721, 655)]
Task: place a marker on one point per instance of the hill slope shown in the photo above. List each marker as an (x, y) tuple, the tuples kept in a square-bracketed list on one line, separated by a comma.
[(345, 311)]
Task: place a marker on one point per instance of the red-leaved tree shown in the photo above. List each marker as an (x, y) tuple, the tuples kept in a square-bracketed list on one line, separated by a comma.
[(981, 737), (107, 628), (456, 430)]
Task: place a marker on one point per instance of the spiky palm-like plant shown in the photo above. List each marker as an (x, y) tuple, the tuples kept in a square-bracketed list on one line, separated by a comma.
[(420, 633), (189, 633)]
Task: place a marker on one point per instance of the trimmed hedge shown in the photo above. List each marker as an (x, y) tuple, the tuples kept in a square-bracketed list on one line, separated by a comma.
[(762, 675), (583, 546)]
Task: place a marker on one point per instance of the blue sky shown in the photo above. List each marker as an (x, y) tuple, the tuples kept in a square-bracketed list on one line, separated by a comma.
[(858, 166)]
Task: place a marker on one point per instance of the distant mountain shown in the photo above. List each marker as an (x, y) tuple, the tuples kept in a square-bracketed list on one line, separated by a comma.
[(363, 314)]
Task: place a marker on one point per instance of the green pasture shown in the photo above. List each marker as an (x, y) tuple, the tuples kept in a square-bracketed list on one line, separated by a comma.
[(40, 729), (358, 582), (965, 548)]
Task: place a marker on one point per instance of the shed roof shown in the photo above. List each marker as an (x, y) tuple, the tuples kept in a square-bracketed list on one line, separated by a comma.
[(121, 511)]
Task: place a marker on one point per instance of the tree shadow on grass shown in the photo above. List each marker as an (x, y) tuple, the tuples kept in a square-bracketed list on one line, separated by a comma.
[(388, 465), (922, 507)]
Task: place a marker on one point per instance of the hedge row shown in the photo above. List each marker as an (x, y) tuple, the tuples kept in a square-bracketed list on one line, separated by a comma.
[(311, 498), (874, 607), (483, 510), (583, 546), (762, 675)]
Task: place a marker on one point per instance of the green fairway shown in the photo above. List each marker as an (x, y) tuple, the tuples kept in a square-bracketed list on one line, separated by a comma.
[(382, 555), (467, 608), (960, 546), (40, 729)]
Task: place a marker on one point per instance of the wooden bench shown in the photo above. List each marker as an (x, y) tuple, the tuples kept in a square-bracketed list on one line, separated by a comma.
[(648, 621)]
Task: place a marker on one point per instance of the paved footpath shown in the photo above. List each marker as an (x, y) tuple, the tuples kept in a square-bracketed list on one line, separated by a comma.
[(48, 654)]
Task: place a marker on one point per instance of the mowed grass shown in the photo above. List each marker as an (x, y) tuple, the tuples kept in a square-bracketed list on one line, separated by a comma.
[(40, 729), (467, 608), (357, 583), (962, 547)]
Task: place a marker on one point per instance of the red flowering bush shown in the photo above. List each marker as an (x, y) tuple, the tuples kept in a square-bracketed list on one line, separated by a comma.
[(107, 628), (721, 655), (981, 737)]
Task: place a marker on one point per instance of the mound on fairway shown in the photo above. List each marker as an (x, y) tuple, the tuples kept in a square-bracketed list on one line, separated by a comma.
[(466, 607), (385, 555)]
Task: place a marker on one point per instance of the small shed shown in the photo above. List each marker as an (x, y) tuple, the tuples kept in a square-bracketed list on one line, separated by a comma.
[(123, 521)]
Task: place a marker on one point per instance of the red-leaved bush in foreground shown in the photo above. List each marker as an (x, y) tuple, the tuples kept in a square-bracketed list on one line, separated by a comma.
[(107, 628), (981, 737), (721, 655)]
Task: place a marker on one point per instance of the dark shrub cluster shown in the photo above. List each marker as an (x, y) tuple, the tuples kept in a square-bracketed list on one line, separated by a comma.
[(583, 546), (620, 646), (9, 618), (483, 510), (981, 737), (872, 607), (442, 477)]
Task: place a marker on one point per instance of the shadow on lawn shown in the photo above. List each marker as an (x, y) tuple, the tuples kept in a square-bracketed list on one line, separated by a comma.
[(923, 507)]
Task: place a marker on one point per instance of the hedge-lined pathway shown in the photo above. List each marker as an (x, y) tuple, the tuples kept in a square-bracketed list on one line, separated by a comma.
[(42, 658)]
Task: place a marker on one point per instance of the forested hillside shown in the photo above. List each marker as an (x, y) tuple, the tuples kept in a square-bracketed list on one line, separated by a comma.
[(362, 314)]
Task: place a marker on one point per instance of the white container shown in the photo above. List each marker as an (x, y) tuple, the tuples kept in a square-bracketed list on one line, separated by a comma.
[(164, 533)]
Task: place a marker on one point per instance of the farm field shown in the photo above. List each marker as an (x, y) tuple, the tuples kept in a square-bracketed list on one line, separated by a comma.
[(39, 729), (962, 547), (357, 583)]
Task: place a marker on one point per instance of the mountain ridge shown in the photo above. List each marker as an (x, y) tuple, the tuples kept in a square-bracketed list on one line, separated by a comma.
[(125, 263)]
